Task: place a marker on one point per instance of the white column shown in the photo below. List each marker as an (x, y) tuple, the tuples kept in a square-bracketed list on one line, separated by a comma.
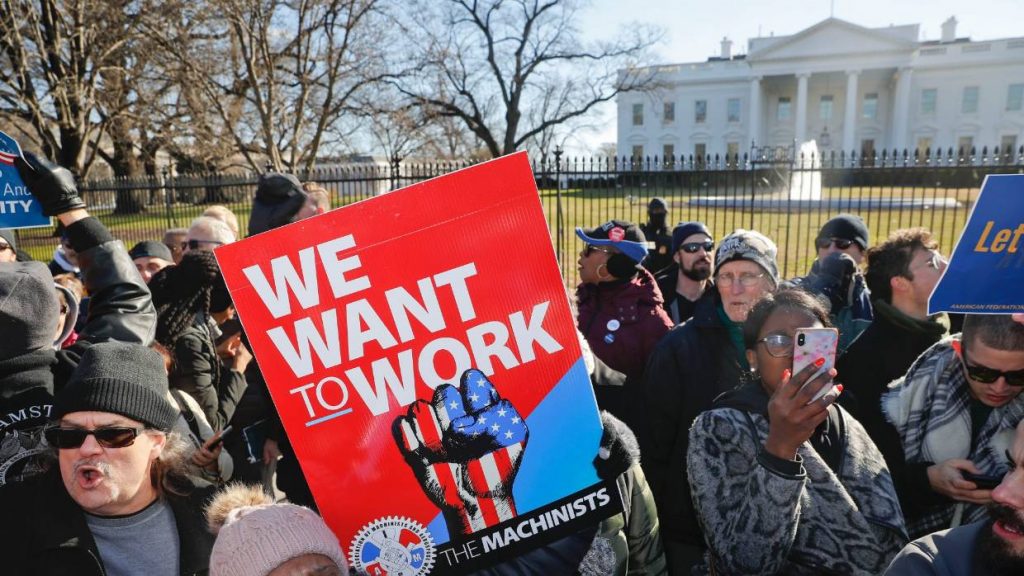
[(901, 109), (850, 118), (754, 116), (801, 108)]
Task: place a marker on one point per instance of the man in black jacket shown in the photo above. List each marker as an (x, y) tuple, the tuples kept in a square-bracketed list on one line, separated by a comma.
[(32, 368), (656, 232), (688, 279), (901, 273), (119, 502), (689, 368)]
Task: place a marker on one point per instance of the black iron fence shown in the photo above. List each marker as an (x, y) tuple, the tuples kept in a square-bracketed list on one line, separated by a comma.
[(783, 194)]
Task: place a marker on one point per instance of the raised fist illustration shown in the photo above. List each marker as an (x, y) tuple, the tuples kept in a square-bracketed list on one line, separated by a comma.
[(465, 446)]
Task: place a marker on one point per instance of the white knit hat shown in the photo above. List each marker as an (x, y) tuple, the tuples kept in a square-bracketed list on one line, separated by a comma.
[(254, 535)]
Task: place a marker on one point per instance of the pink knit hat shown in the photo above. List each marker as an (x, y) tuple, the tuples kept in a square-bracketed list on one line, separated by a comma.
[(254, 535)]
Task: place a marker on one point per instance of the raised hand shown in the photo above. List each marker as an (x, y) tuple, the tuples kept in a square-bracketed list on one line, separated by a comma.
[(53, 186), (465, 447), (792, 415)]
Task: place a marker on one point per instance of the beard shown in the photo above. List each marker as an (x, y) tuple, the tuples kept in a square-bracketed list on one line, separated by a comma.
[(697, 274), (992, 551)]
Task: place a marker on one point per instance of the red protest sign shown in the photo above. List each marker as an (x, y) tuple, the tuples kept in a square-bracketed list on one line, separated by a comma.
[(420, 351)]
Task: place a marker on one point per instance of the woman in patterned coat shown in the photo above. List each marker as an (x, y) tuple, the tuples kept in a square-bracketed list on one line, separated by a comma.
[(783, 484)]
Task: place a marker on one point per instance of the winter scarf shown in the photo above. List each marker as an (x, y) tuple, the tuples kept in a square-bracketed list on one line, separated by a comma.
[(930, 409)]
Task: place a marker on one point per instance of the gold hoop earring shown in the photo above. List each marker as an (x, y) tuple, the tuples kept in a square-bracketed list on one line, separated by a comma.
[(598, 271)]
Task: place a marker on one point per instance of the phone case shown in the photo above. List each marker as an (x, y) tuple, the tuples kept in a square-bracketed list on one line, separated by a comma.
[(817, 343)]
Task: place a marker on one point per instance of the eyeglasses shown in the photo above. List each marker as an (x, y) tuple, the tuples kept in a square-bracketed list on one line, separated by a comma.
[(107, 437), (987, 375), (194, 244), (841, 243), (935, 261), (746, 279), (692, 247), (778, 345), (591, 248)]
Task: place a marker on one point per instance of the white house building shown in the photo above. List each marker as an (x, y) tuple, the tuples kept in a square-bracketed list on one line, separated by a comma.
[(845, 86)]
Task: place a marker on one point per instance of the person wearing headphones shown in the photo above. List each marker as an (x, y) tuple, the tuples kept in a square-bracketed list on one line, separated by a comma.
[(620, 304)]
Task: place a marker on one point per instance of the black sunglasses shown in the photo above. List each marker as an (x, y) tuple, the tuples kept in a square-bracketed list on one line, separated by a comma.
[(194, 244), (591, 248), (987, 375), (841, 243), (692, 247), (109, 437)]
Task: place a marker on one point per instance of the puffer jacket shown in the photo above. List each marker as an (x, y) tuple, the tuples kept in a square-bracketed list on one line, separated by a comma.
[(760, 517), (121, 310), (623, 321)]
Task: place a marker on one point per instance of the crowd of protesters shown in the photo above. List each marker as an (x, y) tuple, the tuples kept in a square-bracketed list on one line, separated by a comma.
[(137, 435)]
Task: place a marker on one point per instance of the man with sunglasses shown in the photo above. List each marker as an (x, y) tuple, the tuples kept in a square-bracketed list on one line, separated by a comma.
[(841, 243), (688, 279), (954, 413), (32, 365), (207, 233), (119, 502)]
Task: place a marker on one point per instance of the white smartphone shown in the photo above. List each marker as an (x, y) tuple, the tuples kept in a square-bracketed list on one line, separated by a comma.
[(809, 344)]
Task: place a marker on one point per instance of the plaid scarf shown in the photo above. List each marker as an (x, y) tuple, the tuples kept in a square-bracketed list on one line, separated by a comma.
[(930, 409)]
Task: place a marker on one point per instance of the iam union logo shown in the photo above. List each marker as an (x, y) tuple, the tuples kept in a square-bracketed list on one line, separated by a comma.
[(392, 546)]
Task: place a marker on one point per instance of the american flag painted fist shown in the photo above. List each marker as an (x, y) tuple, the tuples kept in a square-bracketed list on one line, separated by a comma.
[(465, 446)]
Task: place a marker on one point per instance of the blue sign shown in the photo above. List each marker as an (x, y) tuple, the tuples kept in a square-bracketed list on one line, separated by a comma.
[(986, 272), (18, 208)]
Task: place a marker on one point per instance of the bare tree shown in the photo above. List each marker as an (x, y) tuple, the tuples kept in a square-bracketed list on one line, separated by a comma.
[(512, 70), (276, 75), (53, 55)]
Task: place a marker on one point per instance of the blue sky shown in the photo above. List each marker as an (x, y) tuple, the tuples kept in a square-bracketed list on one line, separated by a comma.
[(693, 29)]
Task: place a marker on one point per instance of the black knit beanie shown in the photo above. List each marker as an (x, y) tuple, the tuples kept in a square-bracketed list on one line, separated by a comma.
[(848, 227), (124, 379)]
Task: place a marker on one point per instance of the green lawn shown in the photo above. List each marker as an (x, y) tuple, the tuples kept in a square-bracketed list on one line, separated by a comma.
[(793, 231)]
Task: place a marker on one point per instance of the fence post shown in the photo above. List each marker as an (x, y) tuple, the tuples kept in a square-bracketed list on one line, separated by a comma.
[(559, 224), (395, 166), (167, 198)]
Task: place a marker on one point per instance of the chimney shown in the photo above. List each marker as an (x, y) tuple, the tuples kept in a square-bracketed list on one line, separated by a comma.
[(949, 29), (726, 49)]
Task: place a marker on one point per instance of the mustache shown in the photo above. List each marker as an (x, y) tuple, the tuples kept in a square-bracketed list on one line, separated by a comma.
[(1006, 516), (103, 467)]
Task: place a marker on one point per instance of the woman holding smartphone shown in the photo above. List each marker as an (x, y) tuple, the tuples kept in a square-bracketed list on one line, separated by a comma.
[(784, 481)]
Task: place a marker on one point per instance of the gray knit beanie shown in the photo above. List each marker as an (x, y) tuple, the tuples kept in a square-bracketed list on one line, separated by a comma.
[(749, 245), (120, 378), (28, 308)]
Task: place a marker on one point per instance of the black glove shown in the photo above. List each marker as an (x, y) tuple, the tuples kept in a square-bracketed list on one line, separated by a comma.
[(618, 449), (834, 279), (53, 186)]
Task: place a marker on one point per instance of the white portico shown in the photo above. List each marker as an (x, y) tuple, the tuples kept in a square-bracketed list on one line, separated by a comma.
[(845, 86)]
